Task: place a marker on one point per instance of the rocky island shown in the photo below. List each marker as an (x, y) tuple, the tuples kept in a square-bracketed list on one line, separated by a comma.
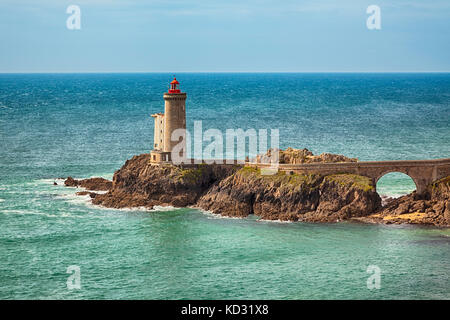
[(307, 187), (239, 191)]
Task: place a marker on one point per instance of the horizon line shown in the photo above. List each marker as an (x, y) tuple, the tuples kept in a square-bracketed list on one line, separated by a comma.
[(185, 72)]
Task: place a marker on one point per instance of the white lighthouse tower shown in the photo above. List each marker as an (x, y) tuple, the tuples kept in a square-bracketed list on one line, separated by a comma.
[(173, 118)]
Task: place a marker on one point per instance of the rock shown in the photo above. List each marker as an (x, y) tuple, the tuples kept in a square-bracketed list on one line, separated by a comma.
[(433, 208), (291, 197), (71, 182), (385, 200), (238, 191), (139, 183), (296, 156), (98, 184), (84, 193)]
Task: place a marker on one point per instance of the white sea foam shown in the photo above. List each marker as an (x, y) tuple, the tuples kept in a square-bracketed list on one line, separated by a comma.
[(40, 213), (128, 209), (146, 209), (163, 208), (212, 215), (60, 183), (274, 221), (69, 194), (2, 200), (392, 195), (86, 201), (142, 209), (75, 199), (50, 181), (386, 196), (96, 191)]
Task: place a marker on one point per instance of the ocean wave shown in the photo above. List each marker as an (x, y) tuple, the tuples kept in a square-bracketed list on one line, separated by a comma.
[(40, 213), (35, 184), (49, 181), (212, 215), (274, 221), (60, 181), (164, 208), (145, 209), (392, 195), (141, 209), (86, 201), (74, 198), (386, 196)]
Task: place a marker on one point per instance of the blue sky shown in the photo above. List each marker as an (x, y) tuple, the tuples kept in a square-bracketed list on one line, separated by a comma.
[(224, 36)]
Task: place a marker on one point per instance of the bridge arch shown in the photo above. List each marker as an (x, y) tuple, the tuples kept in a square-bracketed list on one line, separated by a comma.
[(401, 175), (396, 170)]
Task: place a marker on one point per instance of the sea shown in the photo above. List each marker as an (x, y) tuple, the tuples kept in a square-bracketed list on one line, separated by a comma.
[(57, 245)]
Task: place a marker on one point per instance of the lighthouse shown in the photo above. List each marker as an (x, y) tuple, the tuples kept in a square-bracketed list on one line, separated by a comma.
[(173, 118)]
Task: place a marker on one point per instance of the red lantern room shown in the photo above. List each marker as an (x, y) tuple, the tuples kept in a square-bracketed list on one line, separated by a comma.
[(174, 86)]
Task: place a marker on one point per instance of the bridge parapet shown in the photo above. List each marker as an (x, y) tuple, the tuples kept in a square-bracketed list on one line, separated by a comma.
[(423, 172)]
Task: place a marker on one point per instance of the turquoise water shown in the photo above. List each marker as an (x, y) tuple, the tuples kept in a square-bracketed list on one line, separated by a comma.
[(87, 125)]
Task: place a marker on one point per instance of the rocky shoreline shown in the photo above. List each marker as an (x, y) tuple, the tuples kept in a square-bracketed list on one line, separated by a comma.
[(238, 191)]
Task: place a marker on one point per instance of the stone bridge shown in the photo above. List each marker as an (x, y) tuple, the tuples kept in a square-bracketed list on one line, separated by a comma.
[(422, 172)]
